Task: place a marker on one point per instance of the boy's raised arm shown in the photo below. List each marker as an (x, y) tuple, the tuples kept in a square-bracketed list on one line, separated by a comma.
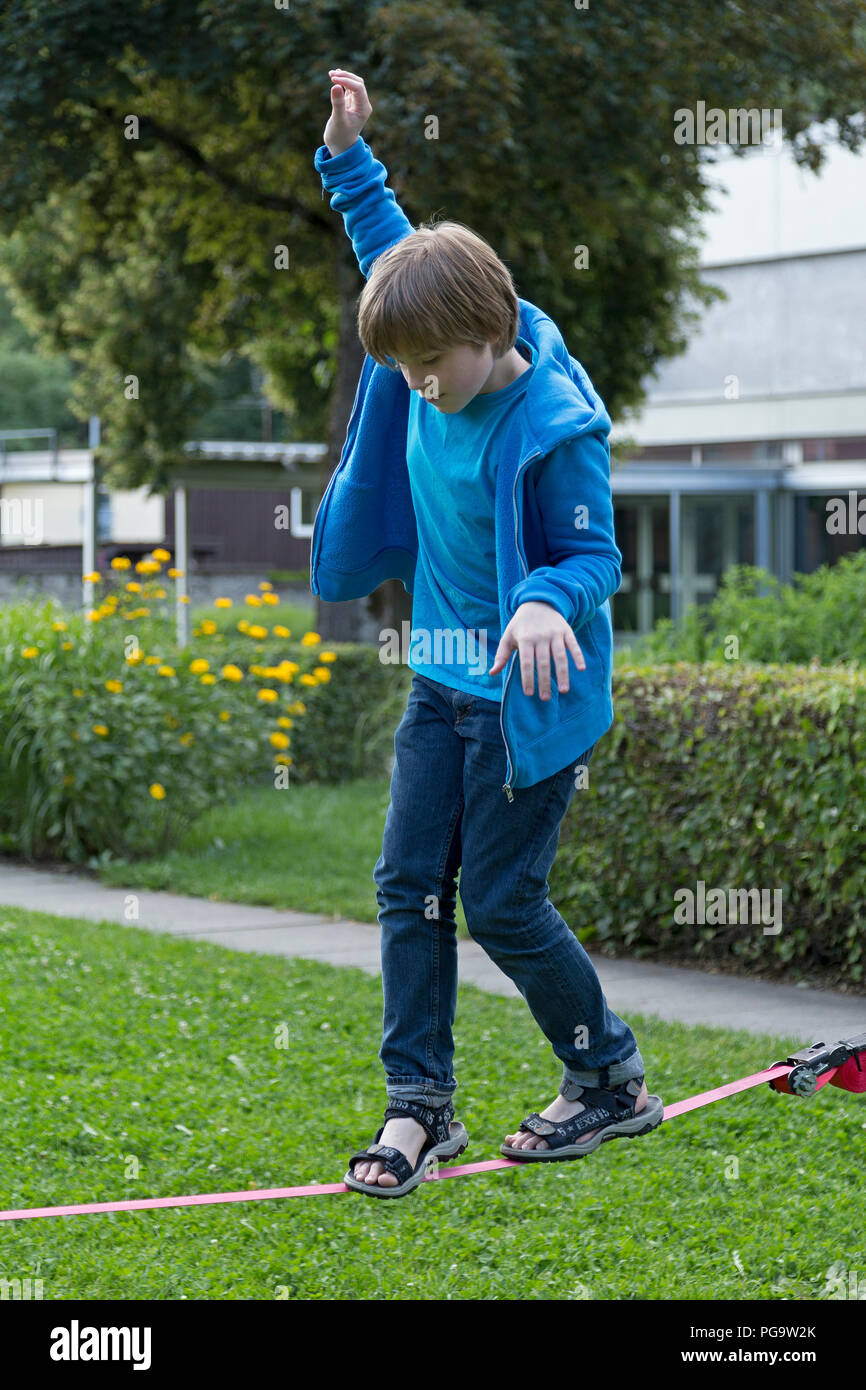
[(354, 177)]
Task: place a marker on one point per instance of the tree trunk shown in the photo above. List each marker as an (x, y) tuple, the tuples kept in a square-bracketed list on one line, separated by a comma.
[(358, 620)]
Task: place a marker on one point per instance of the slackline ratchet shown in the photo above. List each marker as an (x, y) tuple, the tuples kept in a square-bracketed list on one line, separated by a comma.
[(842, 1064)]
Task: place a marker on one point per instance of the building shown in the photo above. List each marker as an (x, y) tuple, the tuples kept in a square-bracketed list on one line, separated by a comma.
[(747, 438)]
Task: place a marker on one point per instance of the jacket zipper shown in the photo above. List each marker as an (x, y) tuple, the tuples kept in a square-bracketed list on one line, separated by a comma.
[(509, 771)]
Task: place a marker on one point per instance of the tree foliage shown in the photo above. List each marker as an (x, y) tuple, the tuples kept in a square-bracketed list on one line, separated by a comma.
[(154, 257)]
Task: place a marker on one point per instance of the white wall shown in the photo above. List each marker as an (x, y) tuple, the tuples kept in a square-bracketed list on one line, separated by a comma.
[(60, 508), (784, 356), (767, 206)]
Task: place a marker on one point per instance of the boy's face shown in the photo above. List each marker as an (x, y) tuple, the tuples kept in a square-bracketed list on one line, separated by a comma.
[(447, 381)]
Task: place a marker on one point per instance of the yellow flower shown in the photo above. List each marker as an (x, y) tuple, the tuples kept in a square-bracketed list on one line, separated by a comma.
[(186, 739), (268, 695), (257, 631), (307, 679), (59, 627), (161, 554), (283, 758), (270, 598), (121, 562), (327, 656), (78, 692), (280, 740), (224, 715), (208, 626), (298, 707), (280, 631), (171, 721), (258, 670), (75, 735), (232, 673), (114, 686), (184, 598), (253, 600), (100, 729), (199, 665), (159, 593), (157, 791), (284, 722), (152, 660), (266, 584), (222, 603), (243, 624), (148, 567), (134, 587), (29, 651), (92, 577), (165, 671), (310, 639), (175, 573), (67, 646), (322, 672), (94, 616), (208, 679)]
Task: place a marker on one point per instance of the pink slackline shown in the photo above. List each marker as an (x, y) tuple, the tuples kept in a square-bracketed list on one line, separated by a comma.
[(265, 1194)]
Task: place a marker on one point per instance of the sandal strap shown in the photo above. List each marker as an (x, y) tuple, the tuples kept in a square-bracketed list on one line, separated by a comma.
[(392, 1159), (436, 1120), (601, 1108)]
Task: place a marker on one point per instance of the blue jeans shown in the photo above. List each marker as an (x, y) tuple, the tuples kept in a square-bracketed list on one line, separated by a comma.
[(447, 809)]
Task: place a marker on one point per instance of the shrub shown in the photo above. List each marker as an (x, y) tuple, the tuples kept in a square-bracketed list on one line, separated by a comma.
[(112, 739), (738, 775), (818, 617)]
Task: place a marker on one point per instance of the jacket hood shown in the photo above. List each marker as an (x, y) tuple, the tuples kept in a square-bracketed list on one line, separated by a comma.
[(560, 403)]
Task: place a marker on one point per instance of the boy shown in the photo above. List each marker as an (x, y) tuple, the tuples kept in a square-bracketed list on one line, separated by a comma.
[(485, 487)]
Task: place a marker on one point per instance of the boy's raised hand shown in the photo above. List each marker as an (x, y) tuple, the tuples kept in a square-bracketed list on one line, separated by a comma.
[(538, 631), (350, 110)]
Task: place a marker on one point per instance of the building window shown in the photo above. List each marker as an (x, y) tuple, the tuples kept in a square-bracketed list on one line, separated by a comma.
[(819, 450), (814, 545)]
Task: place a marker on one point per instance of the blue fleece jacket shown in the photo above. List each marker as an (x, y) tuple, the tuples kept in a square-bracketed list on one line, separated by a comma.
[(554, 450)]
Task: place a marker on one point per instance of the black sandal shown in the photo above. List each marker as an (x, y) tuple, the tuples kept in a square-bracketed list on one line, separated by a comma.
[(610, 1112), (446, 1141)]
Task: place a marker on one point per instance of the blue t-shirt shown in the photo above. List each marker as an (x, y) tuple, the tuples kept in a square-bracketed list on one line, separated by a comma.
[(452, 461)]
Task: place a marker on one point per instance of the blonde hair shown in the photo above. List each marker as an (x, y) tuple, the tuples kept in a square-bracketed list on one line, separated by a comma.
[(438, 288)]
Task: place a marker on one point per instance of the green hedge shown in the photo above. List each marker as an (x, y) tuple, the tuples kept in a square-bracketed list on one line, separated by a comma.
[(743, 776)]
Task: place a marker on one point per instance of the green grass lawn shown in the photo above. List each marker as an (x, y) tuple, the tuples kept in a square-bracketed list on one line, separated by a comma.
[(127, 1050), (309, 847)]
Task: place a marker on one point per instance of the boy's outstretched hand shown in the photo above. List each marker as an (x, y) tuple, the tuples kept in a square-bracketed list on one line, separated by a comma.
[(350, 111), (538, 631)]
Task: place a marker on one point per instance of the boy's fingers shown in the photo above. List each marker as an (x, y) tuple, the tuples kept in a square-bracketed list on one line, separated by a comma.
[(542, 660), (527, 666), (557, 647), (503, 651), (573, 646), (340, 73)]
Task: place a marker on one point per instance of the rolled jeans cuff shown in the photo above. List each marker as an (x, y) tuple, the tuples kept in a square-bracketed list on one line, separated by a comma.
[(613, 1074), (423, 1095)]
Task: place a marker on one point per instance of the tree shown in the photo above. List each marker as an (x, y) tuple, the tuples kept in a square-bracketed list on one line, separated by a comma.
[(157, 156)]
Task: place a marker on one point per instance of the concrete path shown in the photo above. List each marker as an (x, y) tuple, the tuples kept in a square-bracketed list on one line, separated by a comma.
[(631, 987)]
